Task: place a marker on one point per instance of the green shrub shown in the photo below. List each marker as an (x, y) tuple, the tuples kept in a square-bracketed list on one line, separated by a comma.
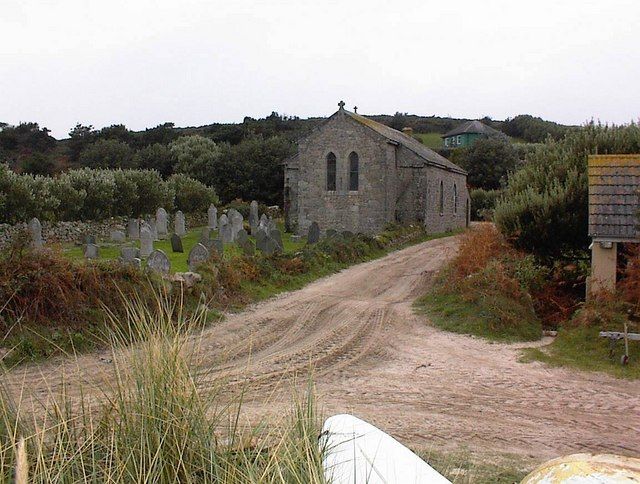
[(191, 195), (483, 203), (544, 207)]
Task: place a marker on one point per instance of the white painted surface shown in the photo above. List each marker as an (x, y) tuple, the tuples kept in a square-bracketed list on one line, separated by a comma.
[(357, 452)]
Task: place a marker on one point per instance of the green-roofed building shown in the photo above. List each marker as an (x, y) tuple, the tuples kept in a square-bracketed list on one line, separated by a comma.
[(467, 133)]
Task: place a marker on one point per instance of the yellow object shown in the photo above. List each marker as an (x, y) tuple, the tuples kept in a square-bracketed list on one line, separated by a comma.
[(586, 468)]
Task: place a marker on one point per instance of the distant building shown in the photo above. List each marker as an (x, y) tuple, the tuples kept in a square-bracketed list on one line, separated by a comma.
[(467, 133), (614, 183), (352, 173)]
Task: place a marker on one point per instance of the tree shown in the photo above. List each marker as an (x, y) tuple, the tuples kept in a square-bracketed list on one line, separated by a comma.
[(79, 138), (487, 161), (108, 153), (197, 157), (156, 157), (544, 208), (38, 164)]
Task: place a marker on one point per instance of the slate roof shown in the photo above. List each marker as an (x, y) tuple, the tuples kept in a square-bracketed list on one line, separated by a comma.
[(428, 155), (614, 182), (472, 127)]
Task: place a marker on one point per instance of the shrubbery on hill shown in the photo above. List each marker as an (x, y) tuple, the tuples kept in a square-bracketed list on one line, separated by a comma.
[(544, 207), (483, 203), (96, 194)]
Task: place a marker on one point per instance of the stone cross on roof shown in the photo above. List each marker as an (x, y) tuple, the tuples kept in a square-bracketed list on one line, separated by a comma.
[(355, 109), (341, 104)]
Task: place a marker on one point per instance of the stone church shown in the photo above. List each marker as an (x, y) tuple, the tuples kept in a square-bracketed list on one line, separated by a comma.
[(352, 173)]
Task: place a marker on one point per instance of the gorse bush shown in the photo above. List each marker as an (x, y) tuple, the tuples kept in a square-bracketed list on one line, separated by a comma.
[(483, 203), (88, 194), (544, 208)]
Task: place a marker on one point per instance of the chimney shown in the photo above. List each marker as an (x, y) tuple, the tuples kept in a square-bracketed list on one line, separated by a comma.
[(408, 131)]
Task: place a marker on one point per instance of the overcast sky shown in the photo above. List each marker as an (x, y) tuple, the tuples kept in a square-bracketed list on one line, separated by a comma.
[(144, 62)]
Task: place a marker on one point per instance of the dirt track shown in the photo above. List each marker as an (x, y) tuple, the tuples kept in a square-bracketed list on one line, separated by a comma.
[(373, 357)]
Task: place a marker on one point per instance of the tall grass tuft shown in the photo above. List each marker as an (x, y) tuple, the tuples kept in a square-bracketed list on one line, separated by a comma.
[(153, 420)]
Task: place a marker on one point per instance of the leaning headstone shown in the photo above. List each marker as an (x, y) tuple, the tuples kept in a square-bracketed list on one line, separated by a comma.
[(159, 262), (146, 242), (247, 247), (313, 236), (129, 254), (213, 217), (277, 238), (242, 236), (162, 224), (197, 256), (35, 232), (176, 243), (179, 225), (253, 216), (117, 236), (91, 251), (133, 228)]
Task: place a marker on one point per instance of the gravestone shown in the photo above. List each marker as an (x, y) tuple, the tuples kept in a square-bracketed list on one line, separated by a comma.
[(225, 230), (242, 236), (313, 236), (129, 254), (205, 235), (35, 233), (117, 236), (159, 262), (213, 217), (218, 246), (176, 243), (331, 233), (179, 225), (253, 217), (91, 251), (260, 234), (162, 224), (133, 228), (277, 238), (154, 227), (236, 221), (146, 241), (197, 256), (264, 221), (247, 247), (89, 239), (271, 225)]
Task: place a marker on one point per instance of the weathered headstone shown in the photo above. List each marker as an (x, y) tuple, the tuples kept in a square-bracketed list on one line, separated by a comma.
[(154, 227), (247, 247), (129, 254), (176, 243), (162, 224), (146, 241), (91, 251), (205, 235), (241, 236), (212, 214), (197, 256), (236, 221), (271, 225), (264, 221), (277, 238), (313, 236), (35, 232), (225, 229), (117, 236), (133, 228), (179, 225), (253, 217), (159, 262)]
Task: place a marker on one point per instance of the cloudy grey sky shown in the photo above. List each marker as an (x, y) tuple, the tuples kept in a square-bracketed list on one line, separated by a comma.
[(143, 62)]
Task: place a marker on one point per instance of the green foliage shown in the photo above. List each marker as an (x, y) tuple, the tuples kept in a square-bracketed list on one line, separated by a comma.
[(88, 194), (38, 163), (107, 153), (197, 157), (191, 195), (483, 202), (544, 207), (488, 161), (532, 129), (155, 157)]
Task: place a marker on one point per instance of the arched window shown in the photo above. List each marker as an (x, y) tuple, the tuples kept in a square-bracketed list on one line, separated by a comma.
[(441, 202), (331, 172), (353, 171), (455, 199)]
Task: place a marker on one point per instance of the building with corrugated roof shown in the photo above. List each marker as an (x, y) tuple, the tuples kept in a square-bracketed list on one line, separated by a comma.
[(614, 182), (352, 173)]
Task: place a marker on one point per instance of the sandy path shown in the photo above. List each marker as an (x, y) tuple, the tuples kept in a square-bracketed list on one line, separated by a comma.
[(373, 357)]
